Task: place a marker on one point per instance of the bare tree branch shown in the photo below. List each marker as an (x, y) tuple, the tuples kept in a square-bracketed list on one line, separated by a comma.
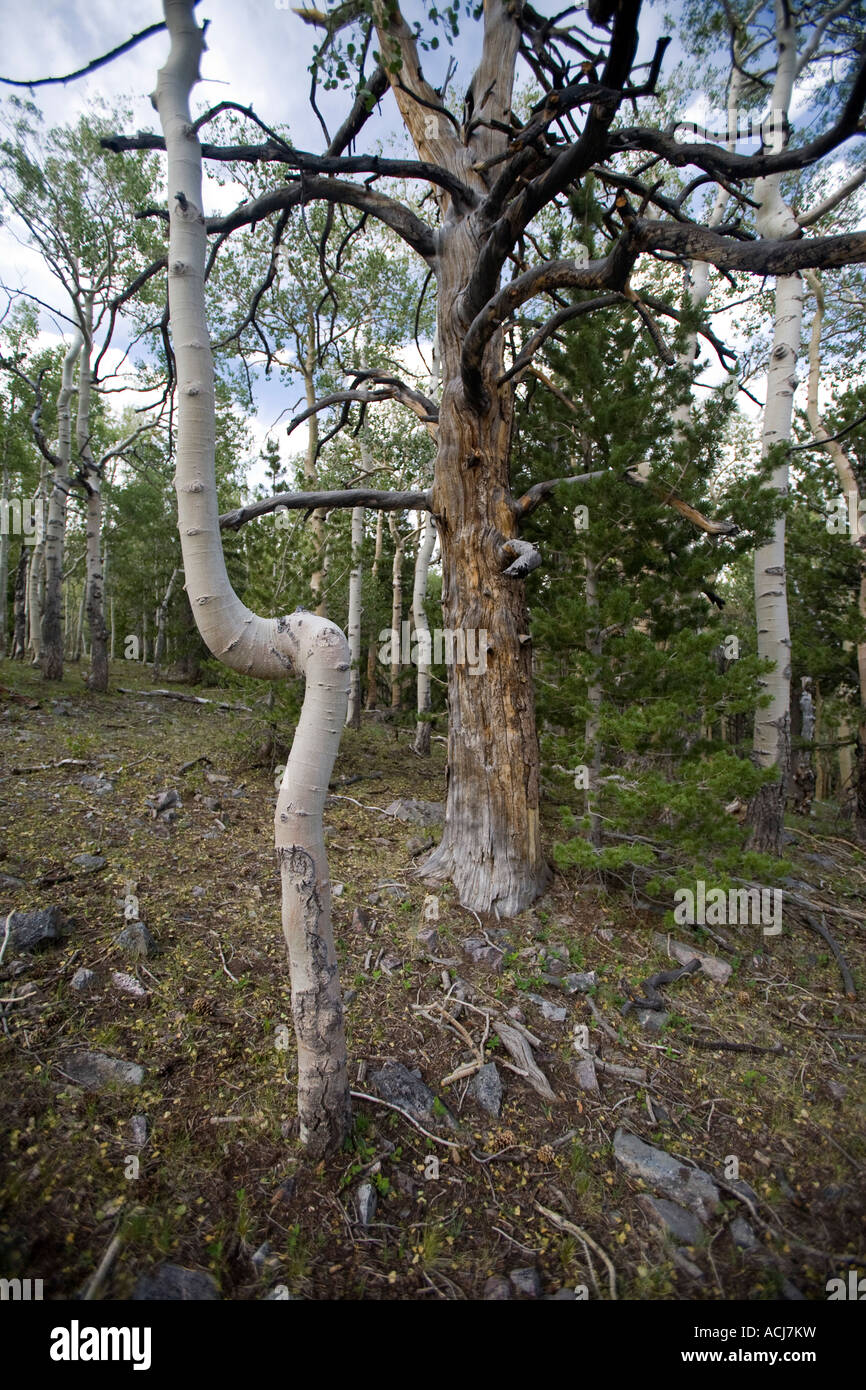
[(327, 501)]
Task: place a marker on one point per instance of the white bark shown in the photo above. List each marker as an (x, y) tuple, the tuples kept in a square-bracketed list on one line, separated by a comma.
[(93, 584), (422, 633), (353, 714), (265, 647), (775, 219), (55, 530), (372, 652), (396, 609), (162, 610)]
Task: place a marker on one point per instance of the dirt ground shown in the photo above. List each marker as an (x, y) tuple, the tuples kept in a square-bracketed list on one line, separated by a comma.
[(221, 1173)]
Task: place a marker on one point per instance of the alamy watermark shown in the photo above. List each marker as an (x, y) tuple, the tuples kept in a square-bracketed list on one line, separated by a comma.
[(713, 907), (451, 646), (24, 517)]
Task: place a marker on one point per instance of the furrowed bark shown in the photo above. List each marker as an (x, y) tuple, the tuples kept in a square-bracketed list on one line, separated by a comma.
[(266, 647), (51, 636)]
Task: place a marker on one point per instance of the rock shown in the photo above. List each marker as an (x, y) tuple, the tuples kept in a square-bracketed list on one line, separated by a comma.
[(177, 1285), (718, 970), (395, 1083), (390, 962), (584, 1072), (9, 881), (554, 1013), (688, 1266), (360, 919), (652, 1020), (90, 862), (198, 892), (83, 980), (526, 1282), (337, 890), (136, 941), (138, 1126), (428, 939), (681, 1224), (211, 803), (497, 1289), (742, 1234), (415, 846), (128, 984), (93, 1070), (417, 812), (367, 1202), (691, 1187), (166, 800), (392, 890), (561, 1296), (481, 953), (430, 908), (28, 931), (579, 982), (555, 969), (259, 1258), (486, 1089)]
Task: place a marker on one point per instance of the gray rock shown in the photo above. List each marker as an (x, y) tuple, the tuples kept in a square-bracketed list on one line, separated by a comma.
[(652, 1020), (742, 1234), (360, 919), (554, 1013), (9, 881), (166, 800), (561, 1296), (717, 970), (83, 980), (417, 812), (395, 1083), (428, 939), (555, 968), (337, 890), (198, 892), (138, 1126), (579, 982), (497, 1289), (481, 953), (681, 1224), (367, 1202), (688, 1266), (90, 862), (136, 941), (93, 1070), (28, 931), (259, 1257), (392, 890), (172, 1283), (486, 1089), (526, 1282), (691, 1187), (584, 1072)]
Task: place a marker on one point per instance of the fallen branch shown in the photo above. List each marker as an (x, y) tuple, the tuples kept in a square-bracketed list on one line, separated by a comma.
[(187, 699), (847, 977), (569, 1226), (375, 1100)]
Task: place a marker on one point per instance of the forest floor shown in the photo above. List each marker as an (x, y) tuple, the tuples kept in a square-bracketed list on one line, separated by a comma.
[(221, 1174)]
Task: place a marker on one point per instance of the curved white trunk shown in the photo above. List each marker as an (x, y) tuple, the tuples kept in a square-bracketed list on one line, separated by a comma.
[(265, 647)]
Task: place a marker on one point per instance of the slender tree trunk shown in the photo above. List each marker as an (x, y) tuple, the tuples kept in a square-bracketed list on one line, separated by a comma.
[(97, 678), (51, 654), (4, 547), (594, 693), (33, 597), (396, 610), (353, 714), (772, 742), (162, 610), (857, 536), (78, 636), (372, 650), (422, 634), (266, 647), (19, 637), (311, 473)]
